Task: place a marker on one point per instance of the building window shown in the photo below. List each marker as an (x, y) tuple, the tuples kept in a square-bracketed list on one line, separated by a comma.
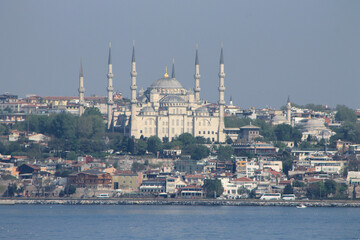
[(212, 132), (145, 130), (173, 122), (199, 132), (204, 132), (173, 130), (145, 122), (177, 122), (208, 132), (199, 123)]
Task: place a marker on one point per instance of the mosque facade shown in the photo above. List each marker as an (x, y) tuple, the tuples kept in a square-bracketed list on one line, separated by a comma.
[(166, 109)]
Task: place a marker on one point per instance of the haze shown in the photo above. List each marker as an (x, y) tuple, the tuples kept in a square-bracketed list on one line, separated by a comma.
[(306, 49)]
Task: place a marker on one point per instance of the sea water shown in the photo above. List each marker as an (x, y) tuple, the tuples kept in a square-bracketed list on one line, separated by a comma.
[(176, 222)]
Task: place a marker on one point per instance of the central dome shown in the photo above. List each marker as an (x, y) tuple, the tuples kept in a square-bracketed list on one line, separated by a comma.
[(166, 83)]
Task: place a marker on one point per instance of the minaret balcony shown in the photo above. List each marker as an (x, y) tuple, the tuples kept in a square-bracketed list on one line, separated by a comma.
[(110, 75), (133, 74), (222, 75), (197, 76)]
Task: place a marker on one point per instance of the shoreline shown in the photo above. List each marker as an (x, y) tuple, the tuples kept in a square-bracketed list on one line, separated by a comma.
[(182, 202)]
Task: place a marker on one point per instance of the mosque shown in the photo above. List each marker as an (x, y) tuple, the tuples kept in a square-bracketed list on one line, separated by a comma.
[(165, 109)]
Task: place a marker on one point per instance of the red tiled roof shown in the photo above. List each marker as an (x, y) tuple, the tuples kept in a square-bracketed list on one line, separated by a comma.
[(313, 180), (194, 176), (33, 166), (242, 179)]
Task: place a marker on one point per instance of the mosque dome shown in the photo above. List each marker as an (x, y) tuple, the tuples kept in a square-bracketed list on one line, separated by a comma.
[(314, 124), (166, 82)]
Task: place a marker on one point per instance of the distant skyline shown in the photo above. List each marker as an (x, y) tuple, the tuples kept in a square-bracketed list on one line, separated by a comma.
[(308, 50)]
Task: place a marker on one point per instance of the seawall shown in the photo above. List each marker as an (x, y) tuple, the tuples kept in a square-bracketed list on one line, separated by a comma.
[(180, 202)]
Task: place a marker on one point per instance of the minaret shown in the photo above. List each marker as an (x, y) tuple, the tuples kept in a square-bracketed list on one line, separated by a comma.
[(173, 69), (221, 137), (110, 89), (133, 87), (288, 111), (81, 91), (197, 77), (231, 101)]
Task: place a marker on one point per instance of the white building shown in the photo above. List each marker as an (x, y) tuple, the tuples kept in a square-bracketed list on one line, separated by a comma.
[(166, 109)]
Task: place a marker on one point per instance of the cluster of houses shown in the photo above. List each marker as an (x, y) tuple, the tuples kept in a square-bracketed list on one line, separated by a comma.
[(14, 109), (181, 177)]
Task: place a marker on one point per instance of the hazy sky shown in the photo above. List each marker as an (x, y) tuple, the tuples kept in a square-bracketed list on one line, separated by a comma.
[(309, 50)]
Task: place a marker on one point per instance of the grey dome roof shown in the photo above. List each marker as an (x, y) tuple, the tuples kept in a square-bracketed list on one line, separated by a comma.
[(279, 118), (172, 99), (147, 109), (166, 83), (202, 110), (314, 124)]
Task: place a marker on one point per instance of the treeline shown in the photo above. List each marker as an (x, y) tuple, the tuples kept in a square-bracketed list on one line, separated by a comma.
[(349, 129), (186, 142), (281, 132), (70, 135)]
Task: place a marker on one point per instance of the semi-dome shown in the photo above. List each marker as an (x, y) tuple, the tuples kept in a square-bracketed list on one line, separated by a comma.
[(147, 109), (166, 82), (172, 99), (202, 110), (279, 119)]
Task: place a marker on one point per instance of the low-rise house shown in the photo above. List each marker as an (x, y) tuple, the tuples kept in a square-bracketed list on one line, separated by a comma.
[(91, 179), (353, 178), (244, 182), (156, 186), (194, 179), (126, 180), (38, 137), (191, 192), (271, 163)]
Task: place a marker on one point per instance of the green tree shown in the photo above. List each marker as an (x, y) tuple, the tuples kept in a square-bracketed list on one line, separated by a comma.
[(225, 153), (11, 190), (330, 186), (288, 189), (154, 144), (285, 157), (348, 131), (196, 151), (140, 147), (213, 188), (63, 126), (345, 114), (70, 189), (285, 132), (137, 167), (186, 139)]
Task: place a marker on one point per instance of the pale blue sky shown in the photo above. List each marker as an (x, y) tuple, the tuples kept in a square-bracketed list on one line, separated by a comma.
[(309, 50)]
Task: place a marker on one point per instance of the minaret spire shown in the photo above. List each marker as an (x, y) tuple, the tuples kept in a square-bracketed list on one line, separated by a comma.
[(81, 91), (221, 137), (288, 111), (110, 60), (197, 76), (173, 69), (133, 100), (110, 89)]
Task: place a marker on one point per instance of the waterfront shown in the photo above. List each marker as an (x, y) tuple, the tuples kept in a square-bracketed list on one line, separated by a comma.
[(176, 222)]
